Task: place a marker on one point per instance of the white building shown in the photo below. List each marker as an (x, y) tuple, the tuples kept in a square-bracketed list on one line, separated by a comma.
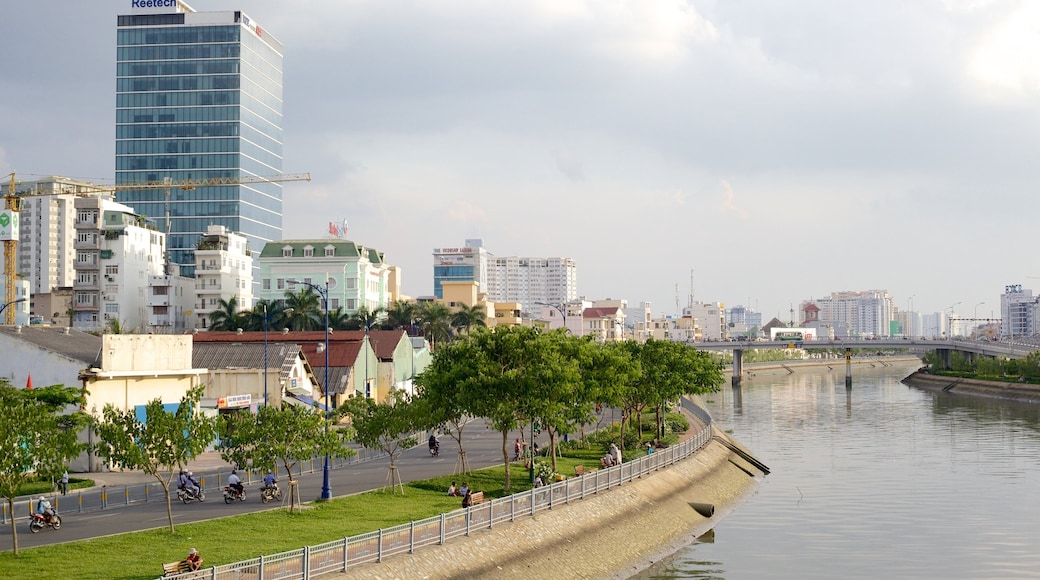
[(530, 280), (1018, 312), (170, 300), (116, 256), (466, 264), (223, 270), (357, 276), (855, 313), (709, 319)]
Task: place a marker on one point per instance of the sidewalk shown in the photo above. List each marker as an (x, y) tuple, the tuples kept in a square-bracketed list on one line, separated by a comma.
[(208, 462)]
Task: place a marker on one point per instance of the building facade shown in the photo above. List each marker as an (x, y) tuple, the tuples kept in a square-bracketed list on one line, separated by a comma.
[(116, 256), (358, 276), (199, 98), (531, 281), (466, 264), (223, 270), (855, 313)]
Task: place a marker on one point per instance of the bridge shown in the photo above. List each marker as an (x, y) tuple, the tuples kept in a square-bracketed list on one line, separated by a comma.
[(970, 348)]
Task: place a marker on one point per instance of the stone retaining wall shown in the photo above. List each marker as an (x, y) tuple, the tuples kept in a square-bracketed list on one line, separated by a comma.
[(611, 535), (1016, 391)]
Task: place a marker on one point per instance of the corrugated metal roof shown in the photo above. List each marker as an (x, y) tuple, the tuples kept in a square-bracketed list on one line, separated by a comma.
[(74, 344)]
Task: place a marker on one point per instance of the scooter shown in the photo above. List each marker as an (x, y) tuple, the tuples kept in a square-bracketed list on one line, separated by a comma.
[(38, 521), (231, 494), (269, 493), (189, 495), (435, 449)]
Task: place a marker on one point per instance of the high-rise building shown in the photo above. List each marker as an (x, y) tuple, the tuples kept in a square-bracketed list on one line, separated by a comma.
[(466, 264), (530, 281), (199, 97)]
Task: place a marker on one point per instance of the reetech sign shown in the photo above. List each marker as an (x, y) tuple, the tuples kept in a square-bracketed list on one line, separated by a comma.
[(8, 225), (154, 6)]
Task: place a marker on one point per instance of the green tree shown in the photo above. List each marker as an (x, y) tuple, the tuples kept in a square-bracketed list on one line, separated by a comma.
[(389, 426), (281, 437), (227, 316), (435, 319), (671, 370), (401, 315), (162, 443), (466, 318), (37, 437), (308, 309), (447, 391)]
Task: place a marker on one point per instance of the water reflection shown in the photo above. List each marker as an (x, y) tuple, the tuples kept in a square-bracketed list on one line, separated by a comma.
[(878, 480)]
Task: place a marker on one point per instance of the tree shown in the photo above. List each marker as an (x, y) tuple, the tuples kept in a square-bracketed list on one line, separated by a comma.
[(401, 315), (281, 437), (308, 309), (227, 315), (388, 426), (447, 390), (37, 438), (165, 440), (435, 319), (468, 317)]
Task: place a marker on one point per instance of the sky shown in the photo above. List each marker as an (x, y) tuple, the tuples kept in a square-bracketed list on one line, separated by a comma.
[(747, 152)]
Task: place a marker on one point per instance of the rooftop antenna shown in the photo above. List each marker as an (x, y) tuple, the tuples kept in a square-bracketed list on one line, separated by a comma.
[(678, 313), (691, 288)]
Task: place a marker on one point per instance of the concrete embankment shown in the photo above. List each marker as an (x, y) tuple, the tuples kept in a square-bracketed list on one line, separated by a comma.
[(815, 364), (611, 535), (1015, 391)]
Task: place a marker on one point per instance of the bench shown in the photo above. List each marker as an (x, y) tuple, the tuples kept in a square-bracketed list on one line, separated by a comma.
[(579, 470), (475, 498), (174, 568)]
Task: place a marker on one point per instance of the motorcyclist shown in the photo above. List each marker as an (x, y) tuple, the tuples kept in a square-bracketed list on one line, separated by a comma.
[(235, 483), (44, 508), (435, 445), (191, 484), (270, 481)]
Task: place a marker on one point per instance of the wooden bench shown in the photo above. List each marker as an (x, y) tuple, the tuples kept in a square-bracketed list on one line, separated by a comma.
[(174, 568), (475, 498)]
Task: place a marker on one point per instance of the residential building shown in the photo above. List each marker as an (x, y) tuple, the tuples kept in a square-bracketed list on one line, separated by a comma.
[(605, 323), (638, 321), (743, 321), (466, 264), (223, 271), (357, 276), (1018, 312), (564, 315), (710, 320), (116, 255), (855, 313), (243, 374), (170, 300), (531, 280), (199, 98)]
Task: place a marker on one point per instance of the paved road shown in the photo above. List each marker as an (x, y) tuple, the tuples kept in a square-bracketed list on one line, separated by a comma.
[(483, 449)]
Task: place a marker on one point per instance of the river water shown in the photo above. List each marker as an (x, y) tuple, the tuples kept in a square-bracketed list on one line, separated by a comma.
[(879, 481)]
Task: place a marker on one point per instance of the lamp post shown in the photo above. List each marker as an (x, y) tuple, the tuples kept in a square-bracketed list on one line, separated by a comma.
[(267, 320), (975, 316), (326, 489), (950, 308), (909, 317), (562, 310), (4, 307)]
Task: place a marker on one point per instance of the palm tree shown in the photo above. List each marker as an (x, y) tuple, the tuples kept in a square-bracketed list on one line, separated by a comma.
[(401, 315), (466, 317), (308, 310), (227, 316), (435, 320), (340, 320), (365, 318)]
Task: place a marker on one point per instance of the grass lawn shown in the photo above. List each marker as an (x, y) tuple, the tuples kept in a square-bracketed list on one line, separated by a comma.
[(142, 554)]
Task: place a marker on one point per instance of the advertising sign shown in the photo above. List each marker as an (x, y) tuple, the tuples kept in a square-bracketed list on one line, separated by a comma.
[(8, 225), (154, 6), (233, 401)]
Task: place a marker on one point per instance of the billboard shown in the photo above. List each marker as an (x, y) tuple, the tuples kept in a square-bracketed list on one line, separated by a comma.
[(8, 225)]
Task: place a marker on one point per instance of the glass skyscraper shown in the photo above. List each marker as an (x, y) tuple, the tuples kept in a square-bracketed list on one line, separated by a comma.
[(199, 98)]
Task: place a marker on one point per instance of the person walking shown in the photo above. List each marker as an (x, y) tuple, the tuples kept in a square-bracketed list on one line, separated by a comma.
[(64, 482)]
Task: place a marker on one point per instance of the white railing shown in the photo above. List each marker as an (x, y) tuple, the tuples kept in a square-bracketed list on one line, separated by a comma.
[(339, 555)]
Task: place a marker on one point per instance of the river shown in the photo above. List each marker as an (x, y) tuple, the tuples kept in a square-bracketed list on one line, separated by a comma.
[(878, 481)]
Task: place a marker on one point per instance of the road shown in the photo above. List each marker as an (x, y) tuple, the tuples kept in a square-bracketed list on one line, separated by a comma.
[(483, 449)]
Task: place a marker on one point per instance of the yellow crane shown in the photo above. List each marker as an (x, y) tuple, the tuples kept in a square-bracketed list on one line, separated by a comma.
[(11, 200)]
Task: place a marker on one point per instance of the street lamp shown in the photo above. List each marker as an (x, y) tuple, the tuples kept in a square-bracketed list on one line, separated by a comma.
[(975, 316), (909, 317), (950, 308), (4, 307), (561, 310), (326, 489), (267, 320)]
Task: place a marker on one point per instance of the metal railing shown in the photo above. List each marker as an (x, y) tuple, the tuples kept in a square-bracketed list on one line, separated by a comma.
[(108, 497), (339, 555)]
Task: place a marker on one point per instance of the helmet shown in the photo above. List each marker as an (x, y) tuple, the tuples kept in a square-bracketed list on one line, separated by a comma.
[(190, 474), (42, 498)]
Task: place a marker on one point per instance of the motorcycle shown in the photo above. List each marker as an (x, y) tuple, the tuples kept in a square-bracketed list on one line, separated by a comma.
[(435, 450), (189, 495), (37, 522), (269, 493), (231, 494)]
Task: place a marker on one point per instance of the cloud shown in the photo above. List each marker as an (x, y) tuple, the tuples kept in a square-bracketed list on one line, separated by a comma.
[(728, 205)]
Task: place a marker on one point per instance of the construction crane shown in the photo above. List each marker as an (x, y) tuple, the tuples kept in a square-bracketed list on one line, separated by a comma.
[(11, 202)]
